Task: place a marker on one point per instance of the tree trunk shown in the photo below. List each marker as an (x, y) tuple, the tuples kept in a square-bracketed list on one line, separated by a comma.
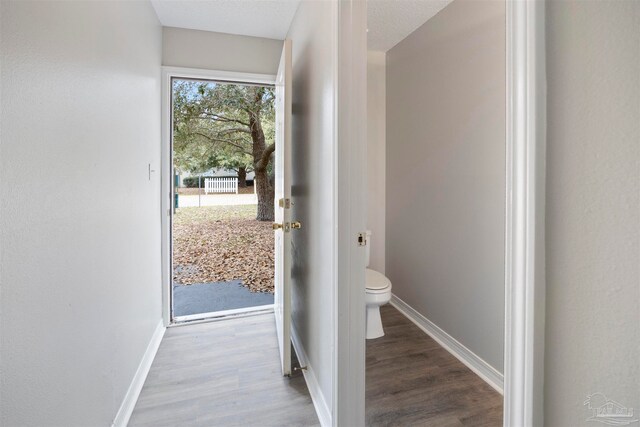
[(261, 159), (265, 193), (242, 177)]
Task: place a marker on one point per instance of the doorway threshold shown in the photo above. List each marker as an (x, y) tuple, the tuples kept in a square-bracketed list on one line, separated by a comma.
[(221, 315)]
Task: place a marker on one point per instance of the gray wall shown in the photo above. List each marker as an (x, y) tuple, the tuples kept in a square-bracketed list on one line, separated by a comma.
[(593, 207), (313, 152), (376, 156), (445, 173), (80, 223), (216, 51)]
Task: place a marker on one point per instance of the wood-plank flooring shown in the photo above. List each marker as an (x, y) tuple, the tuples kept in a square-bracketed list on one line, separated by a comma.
[(412, 381), (227, 373), (224, 373)]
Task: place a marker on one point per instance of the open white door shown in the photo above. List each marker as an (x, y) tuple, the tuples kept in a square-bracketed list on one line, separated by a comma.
[(283, 226)]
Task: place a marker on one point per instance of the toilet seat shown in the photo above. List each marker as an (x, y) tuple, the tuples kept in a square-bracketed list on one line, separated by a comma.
[(376, 282), (378, 291)]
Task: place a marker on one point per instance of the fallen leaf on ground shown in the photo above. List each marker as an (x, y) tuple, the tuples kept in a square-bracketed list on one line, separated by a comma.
[(223, 243)]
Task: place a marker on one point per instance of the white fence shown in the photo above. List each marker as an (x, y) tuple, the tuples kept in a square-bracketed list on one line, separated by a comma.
[(220, 185)]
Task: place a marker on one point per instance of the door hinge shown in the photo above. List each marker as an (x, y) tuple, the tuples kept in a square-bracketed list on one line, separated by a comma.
[(285, 227), (362, 239), (284, 203)]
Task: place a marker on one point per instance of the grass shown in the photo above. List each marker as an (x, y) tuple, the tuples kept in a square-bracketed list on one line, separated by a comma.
[(199, 215)]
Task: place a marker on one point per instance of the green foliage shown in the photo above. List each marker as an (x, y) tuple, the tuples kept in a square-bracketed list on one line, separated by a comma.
[(212, 124), (192, 182)]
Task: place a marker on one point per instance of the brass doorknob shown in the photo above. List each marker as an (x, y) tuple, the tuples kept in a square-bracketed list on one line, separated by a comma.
[(276, 226), (296, 225)]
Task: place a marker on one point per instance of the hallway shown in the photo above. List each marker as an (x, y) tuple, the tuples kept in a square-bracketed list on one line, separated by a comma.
[(224, 373)]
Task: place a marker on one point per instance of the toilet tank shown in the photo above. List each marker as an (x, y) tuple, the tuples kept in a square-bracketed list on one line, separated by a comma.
[(367, 249)]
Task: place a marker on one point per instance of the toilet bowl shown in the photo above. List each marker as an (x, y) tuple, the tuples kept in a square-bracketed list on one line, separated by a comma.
[(377, 293)]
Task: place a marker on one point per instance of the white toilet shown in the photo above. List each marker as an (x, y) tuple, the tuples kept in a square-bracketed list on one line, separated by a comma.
[(378, 292)]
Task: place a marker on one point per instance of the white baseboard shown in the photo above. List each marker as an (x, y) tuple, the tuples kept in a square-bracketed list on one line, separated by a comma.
[(130, 399), (322, 410), (481, 368)]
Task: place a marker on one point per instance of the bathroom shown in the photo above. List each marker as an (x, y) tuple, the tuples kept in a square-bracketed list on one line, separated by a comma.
[(436, 91)]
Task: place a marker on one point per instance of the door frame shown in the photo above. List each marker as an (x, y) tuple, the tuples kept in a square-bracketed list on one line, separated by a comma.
[(166, 170), (350, 106), (525, 212)]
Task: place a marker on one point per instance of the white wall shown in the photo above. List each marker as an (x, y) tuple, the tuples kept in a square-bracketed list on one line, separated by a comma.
[(593, 207), (313, 153), (376, 156), (80, 220), (217, 51), (446, 175)]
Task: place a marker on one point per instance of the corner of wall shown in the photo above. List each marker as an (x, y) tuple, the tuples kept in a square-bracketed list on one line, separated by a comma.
[(376, 157)]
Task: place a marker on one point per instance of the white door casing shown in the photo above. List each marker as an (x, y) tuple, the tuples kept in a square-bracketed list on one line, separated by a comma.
[(525, 222), (167, 176), (282, 182)]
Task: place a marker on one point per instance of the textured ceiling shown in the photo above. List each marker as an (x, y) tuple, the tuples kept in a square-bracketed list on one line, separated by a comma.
[(390, 21), (259, 18)]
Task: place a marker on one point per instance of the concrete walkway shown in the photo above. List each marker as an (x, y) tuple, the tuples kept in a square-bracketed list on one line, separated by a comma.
[(211, 297), (186, 201)]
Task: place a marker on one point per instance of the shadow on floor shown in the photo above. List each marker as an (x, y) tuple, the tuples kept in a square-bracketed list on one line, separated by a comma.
[(218, 296)]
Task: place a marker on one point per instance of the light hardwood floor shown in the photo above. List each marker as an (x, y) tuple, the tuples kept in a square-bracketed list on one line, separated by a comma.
[(224, 373), (227, 373), (412, 381)]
